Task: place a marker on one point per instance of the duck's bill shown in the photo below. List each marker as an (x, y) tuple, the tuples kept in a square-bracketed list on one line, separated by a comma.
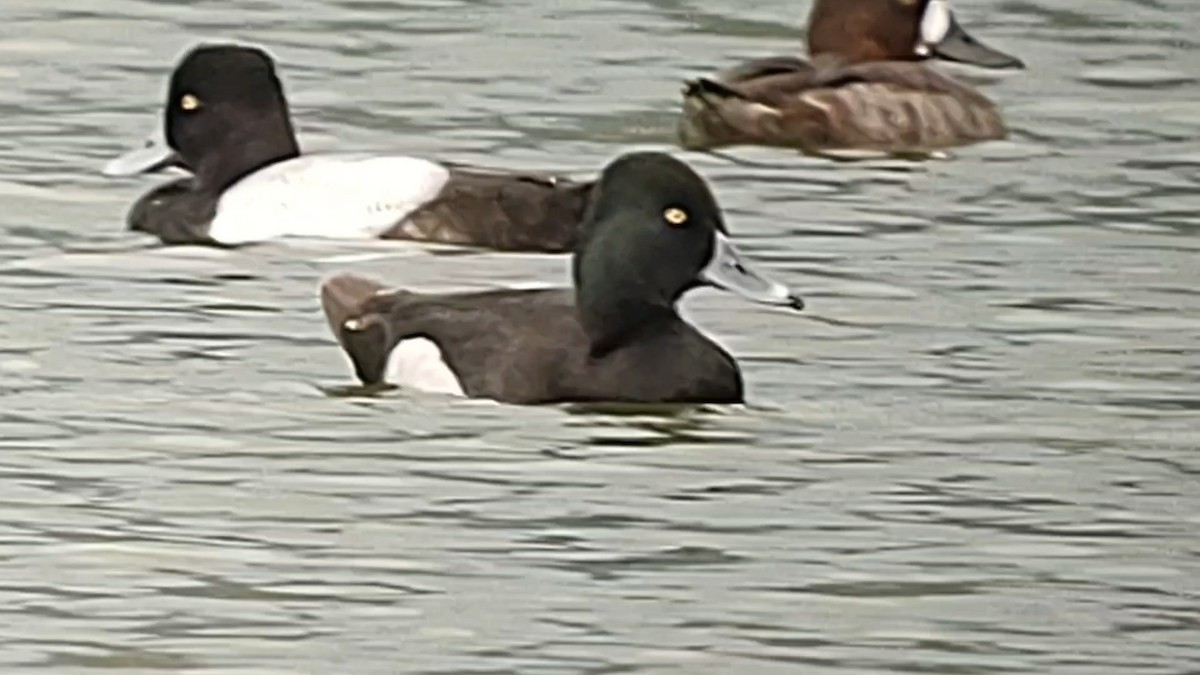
[(960, 46), (727, 270), (152, 156)]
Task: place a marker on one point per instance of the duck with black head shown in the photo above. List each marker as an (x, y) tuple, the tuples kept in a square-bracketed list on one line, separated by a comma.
[(654, 233), (866, 90), (226, 121)]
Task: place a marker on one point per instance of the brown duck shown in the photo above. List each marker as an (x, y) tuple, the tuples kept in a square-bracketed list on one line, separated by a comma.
[(865, 88)]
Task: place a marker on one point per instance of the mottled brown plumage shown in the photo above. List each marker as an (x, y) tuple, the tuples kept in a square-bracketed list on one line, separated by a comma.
[(864, 89)]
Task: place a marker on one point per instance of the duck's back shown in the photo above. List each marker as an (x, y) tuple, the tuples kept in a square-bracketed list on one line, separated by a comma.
[(893, 107), (886, 107), (529, 347), (504, 211), (362, 196)]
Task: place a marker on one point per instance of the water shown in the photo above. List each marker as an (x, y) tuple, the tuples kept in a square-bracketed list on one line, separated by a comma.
[(976, 452)]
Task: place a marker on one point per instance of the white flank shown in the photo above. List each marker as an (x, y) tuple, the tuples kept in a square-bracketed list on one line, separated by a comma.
[(417, 363), (331, 196)]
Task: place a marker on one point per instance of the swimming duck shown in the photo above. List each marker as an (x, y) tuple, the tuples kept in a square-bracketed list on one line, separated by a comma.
[(654, 232), (864, 89), (226, 121)]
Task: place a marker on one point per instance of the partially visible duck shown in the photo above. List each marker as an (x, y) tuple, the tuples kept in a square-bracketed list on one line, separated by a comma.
[(226, 120), (865, 88), (654, 232)]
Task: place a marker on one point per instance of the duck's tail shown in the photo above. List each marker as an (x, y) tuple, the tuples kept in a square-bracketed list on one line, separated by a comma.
[(710, 91), (706, 122), (363, 332)]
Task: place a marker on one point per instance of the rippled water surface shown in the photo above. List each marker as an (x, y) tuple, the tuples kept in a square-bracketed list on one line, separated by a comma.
[(975, 453)]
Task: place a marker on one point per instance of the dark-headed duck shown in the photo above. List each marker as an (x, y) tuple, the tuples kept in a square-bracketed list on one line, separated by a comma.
[(654, 232), (864, 89), (227, 122)]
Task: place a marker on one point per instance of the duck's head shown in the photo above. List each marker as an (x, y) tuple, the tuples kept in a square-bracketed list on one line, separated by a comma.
[(225, 116), (897, 30), (653, 232)]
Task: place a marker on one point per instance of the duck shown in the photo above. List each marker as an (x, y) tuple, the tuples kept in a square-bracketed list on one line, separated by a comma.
[(867, 89), (226, 123), (654, 232)]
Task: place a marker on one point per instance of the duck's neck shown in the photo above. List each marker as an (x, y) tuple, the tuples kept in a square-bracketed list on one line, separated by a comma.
[(614, 321), (615, 304), (249, 148)]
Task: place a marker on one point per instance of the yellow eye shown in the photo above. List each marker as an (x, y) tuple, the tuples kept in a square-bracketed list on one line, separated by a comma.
[(189, 102), (675, 216)]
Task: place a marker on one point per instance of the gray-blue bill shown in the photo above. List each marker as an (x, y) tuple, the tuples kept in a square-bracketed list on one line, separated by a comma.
[(727, 270)]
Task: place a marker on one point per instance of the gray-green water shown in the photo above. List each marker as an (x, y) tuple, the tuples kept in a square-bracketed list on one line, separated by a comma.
[(975, 453)]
